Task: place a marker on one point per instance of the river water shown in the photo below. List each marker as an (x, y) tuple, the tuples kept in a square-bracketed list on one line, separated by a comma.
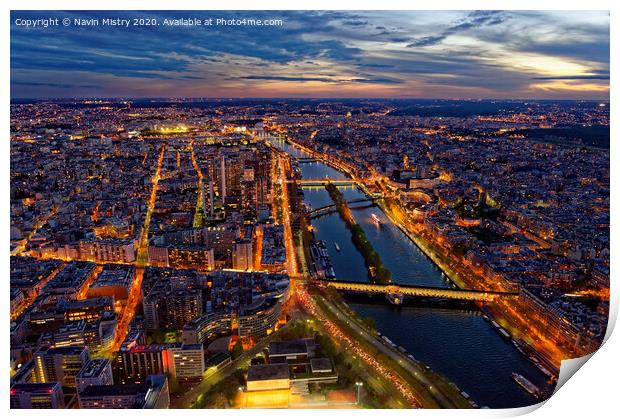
[(458, 343)]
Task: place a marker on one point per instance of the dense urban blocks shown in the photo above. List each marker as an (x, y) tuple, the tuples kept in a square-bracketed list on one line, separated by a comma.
[(164, 252)]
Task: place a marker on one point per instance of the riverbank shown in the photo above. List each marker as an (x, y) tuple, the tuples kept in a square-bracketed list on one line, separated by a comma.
[(431, 389), (376, 269), (456, 280)]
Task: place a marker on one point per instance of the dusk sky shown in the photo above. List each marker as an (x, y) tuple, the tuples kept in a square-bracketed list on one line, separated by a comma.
[(480, 54)]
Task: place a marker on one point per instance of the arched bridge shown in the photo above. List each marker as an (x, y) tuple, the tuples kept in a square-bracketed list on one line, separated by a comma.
[(415, 291), (328, 209)]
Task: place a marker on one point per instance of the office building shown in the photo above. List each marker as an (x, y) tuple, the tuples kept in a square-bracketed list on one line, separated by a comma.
[(140, 361), (207, 326), (59, 364), (189, 362), (242, 255), (96, 372), (37, 396), (153, 393), (259, 318)]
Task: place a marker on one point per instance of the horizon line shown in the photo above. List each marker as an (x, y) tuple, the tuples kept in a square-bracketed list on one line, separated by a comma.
[(204, 98)]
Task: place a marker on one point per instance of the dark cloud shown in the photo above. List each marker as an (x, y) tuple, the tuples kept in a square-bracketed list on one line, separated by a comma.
[(58, 85), (597, 50), (427, 41), (402, 39), (286, 78), (370, 79), (355, 22), (473, 20), (380, 80)]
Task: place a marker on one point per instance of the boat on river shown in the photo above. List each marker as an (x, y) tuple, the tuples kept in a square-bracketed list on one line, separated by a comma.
[(375, 219), (527, 385), (337, 246), (396, 299)]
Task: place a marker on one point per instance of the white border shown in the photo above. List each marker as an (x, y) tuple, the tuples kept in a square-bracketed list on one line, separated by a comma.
[(591, 394)]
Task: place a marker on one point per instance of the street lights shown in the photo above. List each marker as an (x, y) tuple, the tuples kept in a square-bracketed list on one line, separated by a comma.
[(359, 385)]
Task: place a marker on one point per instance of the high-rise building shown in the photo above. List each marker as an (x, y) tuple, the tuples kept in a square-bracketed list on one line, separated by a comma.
[(223, 177), (180, 361), (138, 362), (211, 200), (242, 255), (59, 364), (249, 198), (151, 308), (96, 372), (181, 307), (166, 308), (189, 361)]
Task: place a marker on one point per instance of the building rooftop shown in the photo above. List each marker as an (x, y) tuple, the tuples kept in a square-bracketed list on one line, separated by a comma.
[(34, 387), (113, 275), (268, 372), (290, 347), (321, 365), (66, 350), (93, 368), (84, 304)]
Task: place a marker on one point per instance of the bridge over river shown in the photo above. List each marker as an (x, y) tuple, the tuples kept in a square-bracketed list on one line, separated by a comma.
[(417, 291), (331, 208), (325, 181)]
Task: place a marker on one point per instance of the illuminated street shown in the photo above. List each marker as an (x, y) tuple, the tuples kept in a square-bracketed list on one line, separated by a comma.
[(135, 291)]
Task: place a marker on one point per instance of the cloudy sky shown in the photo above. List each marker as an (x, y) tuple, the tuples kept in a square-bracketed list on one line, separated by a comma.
[(478, 54)]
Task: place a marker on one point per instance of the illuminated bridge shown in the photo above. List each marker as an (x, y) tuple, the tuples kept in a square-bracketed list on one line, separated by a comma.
[(328, 209), (414, 291), (325, 181)]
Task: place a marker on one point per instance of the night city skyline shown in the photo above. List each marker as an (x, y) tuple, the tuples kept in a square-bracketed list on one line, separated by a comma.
[(417, 54)]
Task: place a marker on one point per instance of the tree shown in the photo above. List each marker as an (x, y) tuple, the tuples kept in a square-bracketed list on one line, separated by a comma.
[(370, 324), (200, 402), (237, 349), (158, 336)]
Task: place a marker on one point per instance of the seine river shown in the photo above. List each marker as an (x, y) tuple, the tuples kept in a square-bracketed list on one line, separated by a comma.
[(458, 343)]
